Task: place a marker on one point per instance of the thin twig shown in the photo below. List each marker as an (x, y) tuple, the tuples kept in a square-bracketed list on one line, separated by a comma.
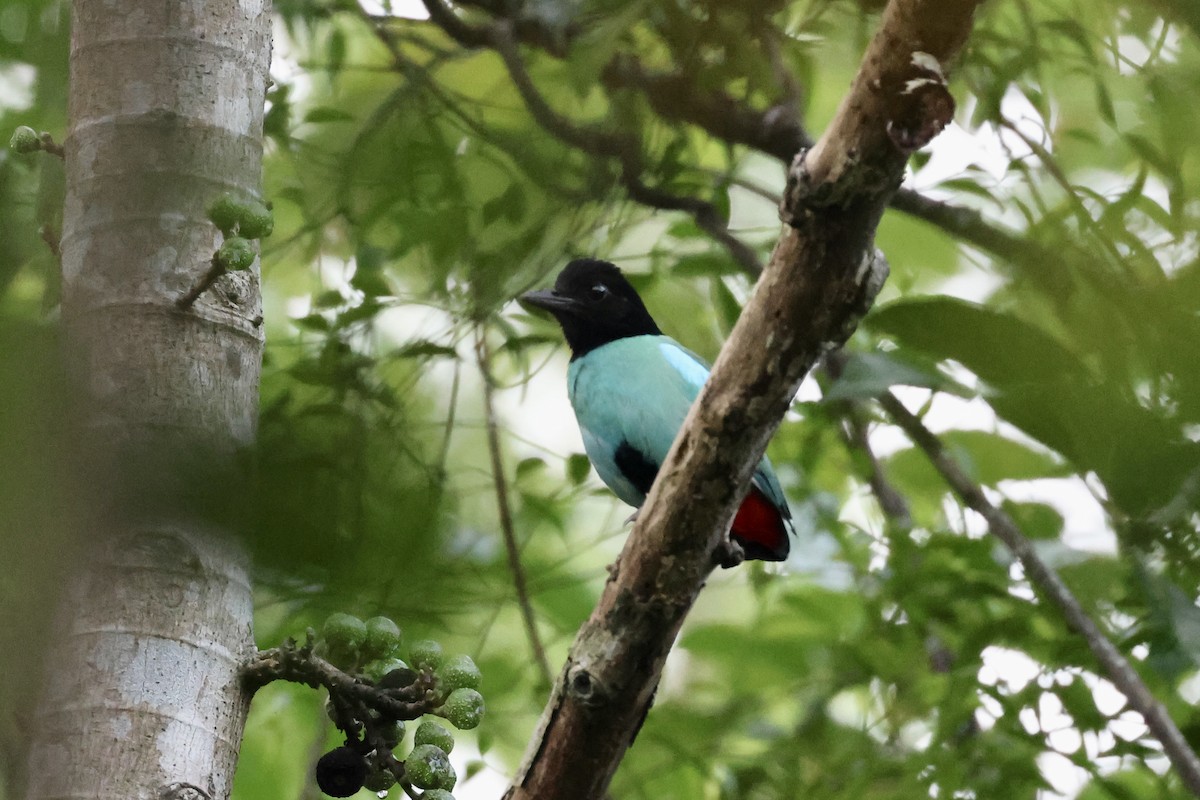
[(857, 437), (891, 502), (585, 137), (53, 240), (969, 225), (704, 213), (1116, 667), (215, 270), (501, 36), (627, 150), (299, 664), (675, 96), (483, 357), (52, 147)]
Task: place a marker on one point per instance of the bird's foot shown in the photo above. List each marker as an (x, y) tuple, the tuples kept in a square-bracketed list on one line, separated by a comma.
[(729, 554), (632, 518)]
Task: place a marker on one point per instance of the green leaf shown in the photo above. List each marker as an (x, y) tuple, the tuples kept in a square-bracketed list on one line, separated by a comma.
[(988, 458), (728, 308), (1036, 520), (704, 265), (323, 114), (424, 348), (312, 322), (528, 466), (578, 467), (868, 375), (1000, 348), (367, 309)]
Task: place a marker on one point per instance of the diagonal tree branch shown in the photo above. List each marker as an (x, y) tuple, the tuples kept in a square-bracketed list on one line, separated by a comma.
[(704, 213), (1115, 665), (822, 275), (775, 130), (856, 434)]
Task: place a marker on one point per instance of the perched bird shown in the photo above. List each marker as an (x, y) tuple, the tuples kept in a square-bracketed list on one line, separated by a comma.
[(631, 388)]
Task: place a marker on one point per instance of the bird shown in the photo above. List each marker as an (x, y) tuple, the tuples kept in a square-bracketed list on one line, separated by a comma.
[(631, 388)]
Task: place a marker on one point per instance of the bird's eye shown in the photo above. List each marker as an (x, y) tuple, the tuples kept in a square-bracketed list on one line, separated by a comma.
[(598, 292)]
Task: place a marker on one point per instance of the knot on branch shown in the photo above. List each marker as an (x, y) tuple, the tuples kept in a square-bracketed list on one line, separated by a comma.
[(921, 105), (584, 687), (182, 791), (819, 180)]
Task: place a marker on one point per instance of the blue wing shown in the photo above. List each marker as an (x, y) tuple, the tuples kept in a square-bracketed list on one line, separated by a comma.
[(630, 397)]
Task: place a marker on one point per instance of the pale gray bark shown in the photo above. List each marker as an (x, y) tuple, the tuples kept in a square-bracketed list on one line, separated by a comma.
[(142, 696)]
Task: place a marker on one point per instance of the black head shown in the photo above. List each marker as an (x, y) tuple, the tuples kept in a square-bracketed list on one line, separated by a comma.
[(595, 305)]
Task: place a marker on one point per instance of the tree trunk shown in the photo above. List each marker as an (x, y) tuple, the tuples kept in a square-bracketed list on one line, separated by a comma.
[(142, 697)]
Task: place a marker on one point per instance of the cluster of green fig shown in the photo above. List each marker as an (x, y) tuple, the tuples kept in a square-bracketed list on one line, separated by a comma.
[(239, 221), (428, 680)]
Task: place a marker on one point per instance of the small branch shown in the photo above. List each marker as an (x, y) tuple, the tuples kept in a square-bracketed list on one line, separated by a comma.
[(628, 150), (891, 502), (299, 664), (971, 227), (793, 92), (775, 131), (705, 214), (856, 434), (215, 270), (52, 147), (675, 97), (53, 240), (1116, 667), (483, 357), (501, 36), (591, 139), (459, 31)]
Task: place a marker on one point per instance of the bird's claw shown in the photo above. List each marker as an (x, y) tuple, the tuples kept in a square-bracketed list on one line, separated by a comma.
[(729, 554), (632, 518)]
